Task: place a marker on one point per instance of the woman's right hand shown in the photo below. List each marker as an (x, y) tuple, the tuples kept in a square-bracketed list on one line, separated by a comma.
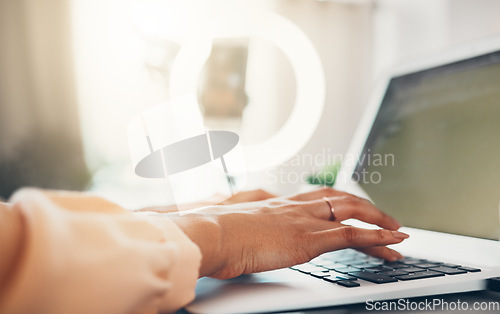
[(281, 232)]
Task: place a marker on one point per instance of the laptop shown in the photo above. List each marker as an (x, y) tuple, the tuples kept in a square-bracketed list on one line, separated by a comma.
[(426, 151)]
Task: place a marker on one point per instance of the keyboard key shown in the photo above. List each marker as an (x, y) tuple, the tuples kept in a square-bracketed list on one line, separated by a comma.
[(345, 270), (333, 265), (344, 252), (433, 262), (395, 265), (332, 279), (346, 277), (372, 277), (358, 263), (374, 260), (305, 271), (309, 269), (470, 269), (348, 262), (420, 275), (369, 265), (411, 261), (392, 273), (448, 270), (318, 260), (413, 269), (306, 267), (348, 283), (378, 269), (426, 265), (333, 274), (303, 266), (451, 265), (319, 274)]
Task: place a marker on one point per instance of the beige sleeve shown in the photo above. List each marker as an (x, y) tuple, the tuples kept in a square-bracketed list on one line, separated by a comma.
[(81, 254)]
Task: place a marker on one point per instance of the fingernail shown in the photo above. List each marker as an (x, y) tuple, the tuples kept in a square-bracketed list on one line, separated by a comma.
[(400, 235)]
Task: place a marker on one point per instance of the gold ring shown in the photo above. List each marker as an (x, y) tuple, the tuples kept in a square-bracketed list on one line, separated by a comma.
[(332, 210)]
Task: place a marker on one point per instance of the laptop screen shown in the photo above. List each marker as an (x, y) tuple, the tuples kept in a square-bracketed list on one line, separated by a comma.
[(432, 158)]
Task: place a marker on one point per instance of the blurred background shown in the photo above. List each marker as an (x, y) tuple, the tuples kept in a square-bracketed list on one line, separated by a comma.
[(73, 73)]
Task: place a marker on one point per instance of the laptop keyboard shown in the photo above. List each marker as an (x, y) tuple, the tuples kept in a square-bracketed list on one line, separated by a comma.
[(347, 267)]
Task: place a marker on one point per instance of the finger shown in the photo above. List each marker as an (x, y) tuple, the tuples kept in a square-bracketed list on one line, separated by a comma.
[(382, 252), (346, 207), (317, 194), (353, 237)]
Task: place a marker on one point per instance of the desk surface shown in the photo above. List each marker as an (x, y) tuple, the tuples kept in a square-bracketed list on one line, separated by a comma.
[(489, 298)]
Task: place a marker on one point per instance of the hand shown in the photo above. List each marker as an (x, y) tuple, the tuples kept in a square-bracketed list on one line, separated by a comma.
[(282, 232)]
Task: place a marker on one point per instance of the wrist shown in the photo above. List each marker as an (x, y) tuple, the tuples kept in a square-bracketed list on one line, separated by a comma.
[(205, 233)]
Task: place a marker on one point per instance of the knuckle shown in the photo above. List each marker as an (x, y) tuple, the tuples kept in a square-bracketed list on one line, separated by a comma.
[(296, 197), (267, 210), (351, 200), (294, 214), (349, 234), (275, 203), (299, 223), (262, 193), (325, 190), (380, 234)]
